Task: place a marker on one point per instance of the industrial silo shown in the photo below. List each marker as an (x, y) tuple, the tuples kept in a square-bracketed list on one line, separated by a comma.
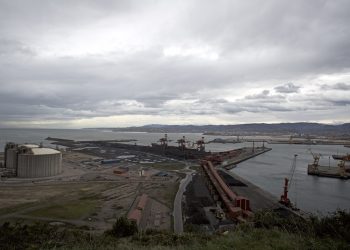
[(11, 156), (36, 162)]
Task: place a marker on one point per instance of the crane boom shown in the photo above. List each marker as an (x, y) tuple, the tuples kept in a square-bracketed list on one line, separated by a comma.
[(292, 169)]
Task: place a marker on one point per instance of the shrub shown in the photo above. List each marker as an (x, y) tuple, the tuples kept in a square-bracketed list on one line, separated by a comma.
[(336, 225), (123, 228)]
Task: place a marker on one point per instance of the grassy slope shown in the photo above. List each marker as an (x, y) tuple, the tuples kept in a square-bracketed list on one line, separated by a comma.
[(249, 238), (269, 231), (245, 240), (69, 210)]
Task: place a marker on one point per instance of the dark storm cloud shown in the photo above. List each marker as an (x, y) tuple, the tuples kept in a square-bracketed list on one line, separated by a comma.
[(84, 59)]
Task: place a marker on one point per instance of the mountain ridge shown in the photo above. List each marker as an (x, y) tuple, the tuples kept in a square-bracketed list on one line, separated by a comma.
[(257, 128)]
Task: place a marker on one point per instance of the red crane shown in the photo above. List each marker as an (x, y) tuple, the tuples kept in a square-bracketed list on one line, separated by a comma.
[(287, 182)]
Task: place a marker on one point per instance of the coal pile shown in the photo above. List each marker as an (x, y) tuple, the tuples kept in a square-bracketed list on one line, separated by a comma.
[(230, 181)]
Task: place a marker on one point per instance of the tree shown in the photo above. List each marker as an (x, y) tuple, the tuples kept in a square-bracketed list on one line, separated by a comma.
[(124, 227)]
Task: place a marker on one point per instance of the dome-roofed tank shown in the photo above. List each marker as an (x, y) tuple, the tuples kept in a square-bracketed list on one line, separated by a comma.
[(32, 161)]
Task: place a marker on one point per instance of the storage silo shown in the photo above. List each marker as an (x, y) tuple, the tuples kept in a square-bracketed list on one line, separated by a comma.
[(36, 162), (11, 156)]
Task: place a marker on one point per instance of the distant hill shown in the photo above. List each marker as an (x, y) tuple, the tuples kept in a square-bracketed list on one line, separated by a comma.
[(253, 128)]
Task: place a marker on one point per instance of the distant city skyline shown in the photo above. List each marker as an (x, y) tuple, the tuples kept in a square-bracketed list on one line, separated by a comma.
[(80, 64)]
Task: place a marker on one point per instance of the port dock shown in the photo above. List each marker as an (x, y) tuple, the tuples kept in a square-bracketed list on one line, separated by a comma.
[(259, 199), (326, 171), (218, 197), (232, 196), (233, 157), (246, 156)]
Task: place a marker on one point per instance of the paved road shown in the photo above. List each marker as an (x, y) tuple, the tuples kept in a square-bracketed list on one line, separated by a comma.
[(177, 213)]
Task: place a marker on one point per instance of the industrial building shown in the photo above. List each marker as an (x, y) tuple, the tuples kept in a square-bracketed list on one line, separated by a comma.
[(137, 213), (32, 161)]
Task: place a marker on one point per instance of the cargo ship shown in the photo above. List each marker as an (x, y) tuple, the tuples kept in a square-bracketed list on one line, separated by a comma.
[(342, 157), (327, 171)]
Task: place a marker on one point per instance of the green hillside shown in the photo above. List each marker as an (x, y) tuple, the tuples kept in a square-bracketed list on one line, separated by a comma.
[(269, 231)]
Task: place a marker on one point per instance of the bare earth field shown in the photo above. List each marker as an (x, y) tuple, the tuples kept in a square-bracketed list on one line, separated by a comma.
[(92, 195)]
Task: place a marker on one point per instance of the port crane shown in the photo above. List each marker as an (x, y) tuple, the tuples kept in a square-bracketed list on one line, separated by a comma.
[(164, 141), (182, 143), (316, 159), (200, 144), (287, 183), (341, 165), (342, 170)]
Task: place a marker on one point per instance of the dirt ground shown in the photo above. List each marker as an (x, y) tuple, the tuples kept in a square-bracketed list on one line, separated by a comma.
[(90, 194)]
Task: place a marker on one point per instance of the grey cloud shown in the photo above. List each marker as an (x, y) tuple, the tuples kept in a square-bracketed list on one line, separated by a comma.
[(278, 42), (337, 101), (264, 94), (12, 48), (264, 97), (341, 102), (337, 86), (287, 88), (155, 100), (321, 102)]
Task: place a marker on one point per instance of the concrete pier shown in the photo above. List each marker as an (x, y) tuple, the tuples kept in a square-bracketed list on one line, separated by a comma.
[(259, 199), (326, 171), (248, 153)]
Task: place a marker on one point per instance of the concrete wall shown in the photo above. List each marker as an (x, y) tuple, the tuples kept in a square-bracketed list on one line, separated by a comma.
[(32, 166)]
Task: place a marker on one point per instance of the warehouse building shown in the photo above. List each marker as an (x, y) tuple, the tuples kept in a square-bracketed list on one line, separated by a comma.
[(32, 161)]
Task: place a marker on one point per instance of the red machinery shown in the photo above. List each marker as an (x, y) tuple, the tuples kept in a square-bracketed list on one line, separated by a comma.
[(236, 206), (287, 182), (284, 197)]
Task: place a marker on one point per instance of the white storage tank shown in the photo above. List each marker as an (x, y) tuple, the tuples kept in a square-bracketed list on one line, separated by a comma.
[(36, 162)]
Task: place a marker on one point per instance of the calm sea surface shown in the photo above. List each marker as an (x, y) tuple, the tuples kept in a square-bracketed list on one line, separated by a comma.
[(310, 193)]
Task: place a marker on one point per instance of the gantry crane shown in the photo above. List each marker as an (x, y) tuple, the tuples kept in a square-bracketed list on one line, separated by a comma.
[(164, 141), (200, 145), (182, 143)]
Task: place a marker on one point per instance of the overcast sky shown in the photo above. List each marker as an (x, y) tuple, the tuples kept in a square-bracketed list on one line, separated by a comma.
[(116, 63)]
